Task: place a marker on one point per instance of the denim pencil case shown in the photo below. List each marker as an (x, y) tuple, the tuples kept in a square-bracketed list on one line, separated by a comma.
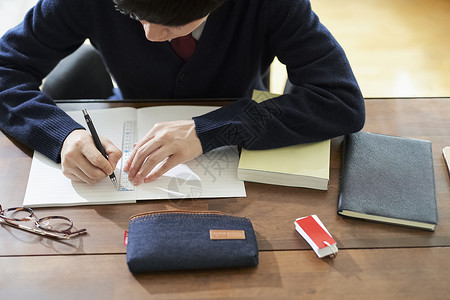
[(184, 240)]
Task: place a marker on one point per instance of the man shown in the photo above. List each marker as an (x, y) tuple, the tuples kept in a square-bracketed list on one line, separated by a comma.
[(237, 41)]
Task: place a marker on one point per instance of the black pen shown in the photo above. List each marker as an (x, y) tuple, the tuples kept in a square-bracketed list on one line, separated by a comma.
[(98, 144)]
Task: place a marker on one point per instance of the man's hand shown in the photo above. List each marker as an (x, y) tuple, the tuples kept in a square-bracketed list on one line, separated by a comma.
[(166, 145), (81, 161)]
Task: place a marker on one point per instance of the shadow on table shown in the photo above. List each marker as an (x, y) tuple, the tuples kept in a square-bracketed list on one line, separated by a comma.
[(221, 281)]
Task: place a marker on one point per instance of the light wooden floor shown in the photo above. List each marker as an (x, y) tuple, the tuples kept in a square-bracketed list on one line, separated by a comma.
[(397, 48)]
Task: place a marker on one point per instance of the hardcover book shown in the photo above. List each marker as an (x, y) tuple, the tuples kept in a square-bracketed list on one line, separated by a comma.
[(388, 179)]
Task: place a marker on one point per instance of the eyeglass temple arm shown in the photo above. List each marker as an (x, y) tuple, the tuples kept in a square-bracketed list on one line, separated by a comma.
[(43, 233)]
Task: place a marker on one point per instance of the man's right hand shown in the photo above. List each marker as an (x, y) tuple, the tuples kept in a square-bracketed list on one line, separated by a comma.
[(82, 162)]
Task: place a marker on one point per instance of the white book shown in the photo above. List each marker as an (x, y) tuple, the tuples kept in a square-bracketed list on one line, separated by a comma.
[(211, 175)]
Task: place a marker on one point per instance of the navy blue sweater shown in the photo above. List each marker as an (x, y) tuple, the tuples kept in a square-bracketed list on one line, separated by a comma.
[(238, 44)]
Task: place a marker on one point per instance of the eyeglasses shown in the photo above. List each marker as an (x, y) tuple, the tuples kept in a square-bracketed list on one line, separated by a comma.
[(57, 227)]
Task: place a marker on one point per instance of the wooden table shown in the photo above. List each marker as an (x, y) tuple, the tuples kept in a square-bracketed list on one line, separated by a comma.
[(374, 260)]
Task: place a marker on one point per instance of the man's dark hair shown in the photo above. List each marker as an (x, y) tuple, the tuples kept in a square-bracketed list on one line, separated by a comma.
[(167, 12)]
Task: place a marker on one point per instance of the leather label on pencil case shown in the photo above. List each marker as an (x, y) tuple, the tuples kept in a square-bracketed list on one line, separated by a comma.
[(226, 234)]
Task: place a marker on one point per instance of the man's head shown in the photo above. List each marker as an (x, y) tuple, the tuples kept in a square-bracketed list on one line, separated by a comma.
[(168, 19), (167, 12)]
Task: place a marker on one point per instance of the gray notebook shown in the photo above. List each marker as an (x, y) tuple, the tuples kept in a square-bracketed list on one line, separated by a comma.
[(388, 179)]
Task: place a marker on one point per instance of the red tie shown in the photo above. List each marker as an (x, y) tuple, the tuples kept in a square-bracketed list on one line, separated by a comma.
[(184, 46)]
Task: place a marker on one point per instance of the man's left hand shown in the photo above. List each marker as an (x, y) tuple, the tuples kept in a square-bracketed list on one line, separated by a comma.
[(166, 145)]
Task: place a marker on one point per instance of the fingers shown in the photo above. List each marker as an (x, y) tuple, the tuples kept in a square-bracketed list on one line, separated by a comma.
[(114, 153), (165, 146), (82, 162), (76, 168), (137, 146), (162, 168), (156, 164), (145, 156)]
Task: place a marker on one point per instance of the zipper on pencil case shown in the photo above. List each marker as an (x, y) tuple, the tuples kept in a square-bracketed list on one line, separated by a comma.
[(198, 212)]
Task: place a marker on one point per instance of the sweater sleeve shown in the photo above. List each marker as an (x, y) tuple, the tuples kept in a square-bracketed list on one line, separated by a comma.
[(27, 53), (325, 102)]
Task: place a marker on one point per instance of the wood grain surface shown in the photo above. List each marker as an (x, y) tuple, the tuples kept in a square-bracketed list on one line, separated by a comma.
[(374, 259)]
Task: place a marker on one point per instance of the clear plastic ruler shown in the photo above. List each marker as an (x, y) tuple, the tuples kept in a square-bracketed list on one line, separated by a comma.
[(128, 140)]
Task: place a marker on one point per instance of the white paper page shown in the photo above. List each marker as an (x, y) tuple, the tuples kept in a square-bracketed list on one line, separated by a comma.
[(211, 175), (208, 176), (47, 186)]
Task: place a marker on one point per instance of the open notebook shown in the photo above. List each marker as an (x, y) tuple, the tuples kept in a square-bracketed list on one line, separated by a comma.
[(211, 175)]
